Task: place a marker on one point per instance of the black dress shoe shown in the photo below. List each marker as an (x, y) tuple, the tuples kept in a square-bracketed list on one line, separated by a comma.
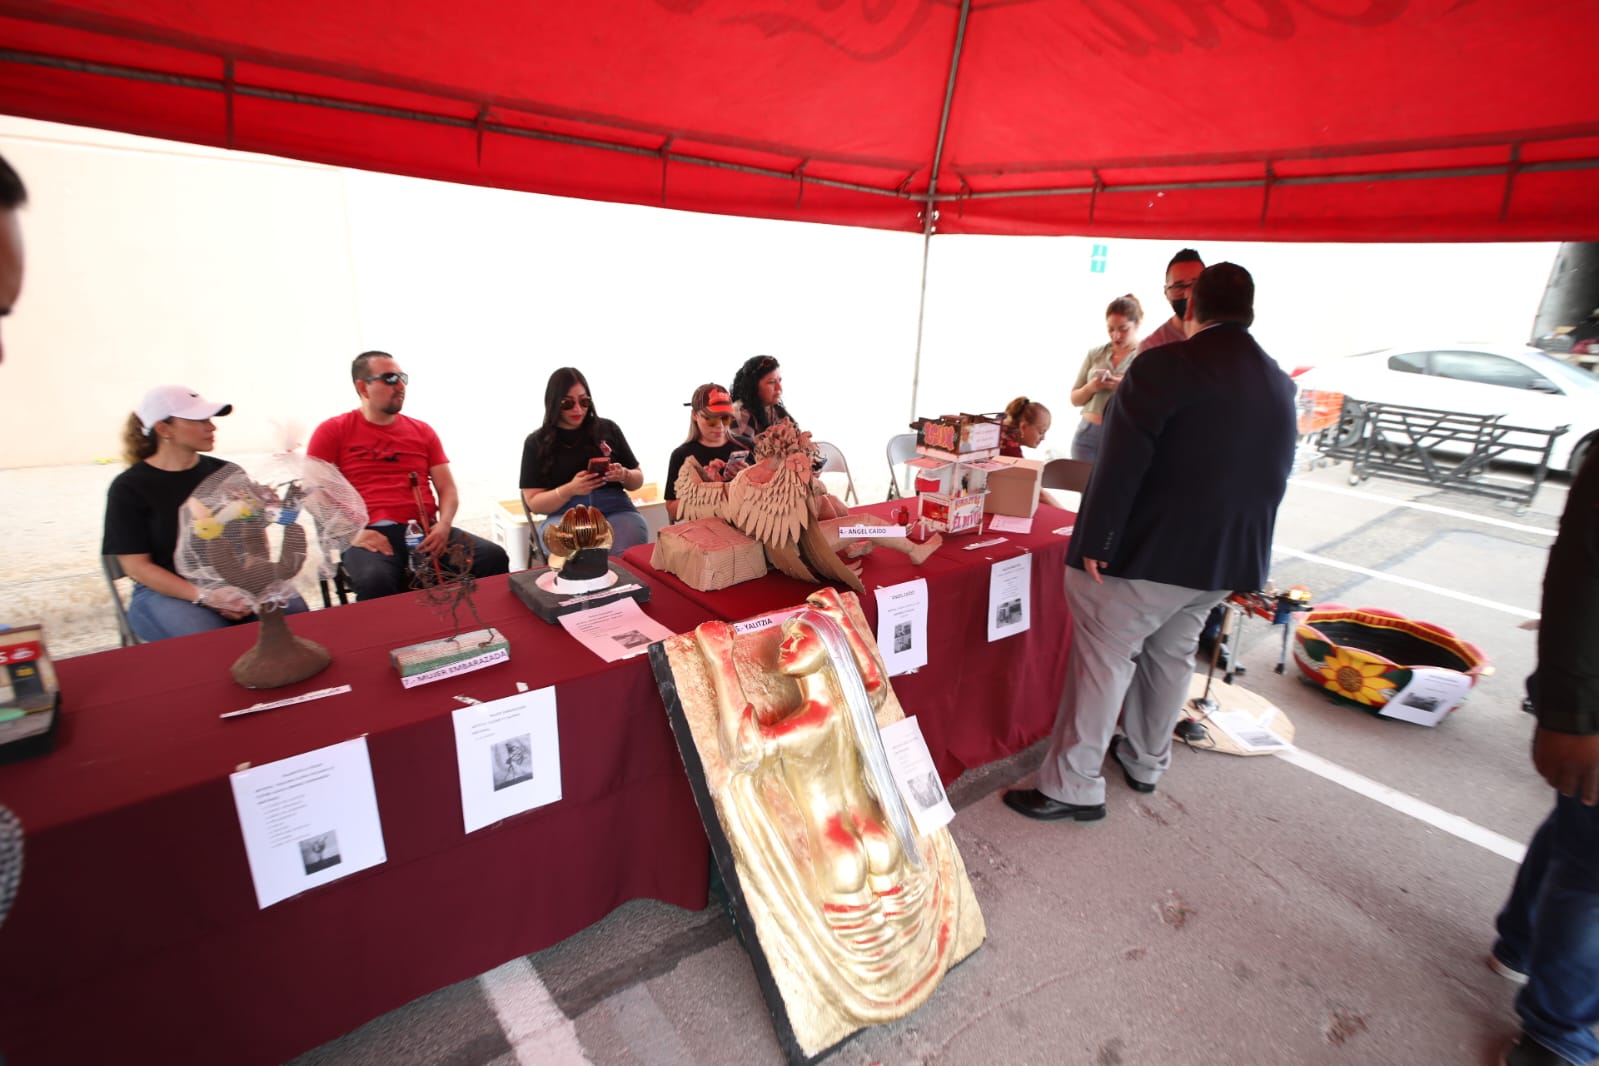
[(1132, 782), (1035, 804)]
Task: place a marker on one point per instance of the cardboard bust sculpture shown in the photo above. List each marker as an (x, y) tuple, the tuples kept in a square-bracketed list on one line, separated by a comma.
[(780, 503), (851, 915)]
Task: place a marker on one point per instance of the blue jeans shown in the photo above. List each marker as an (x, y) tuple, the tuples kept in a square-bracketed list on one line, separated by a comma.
[(628, 527), (1549, 930), (157, 617), (1085, 442)]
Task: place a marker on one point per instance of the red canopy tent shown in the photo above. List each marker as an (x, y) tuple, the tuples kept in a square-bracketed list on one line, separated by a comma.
[(1214, 119)]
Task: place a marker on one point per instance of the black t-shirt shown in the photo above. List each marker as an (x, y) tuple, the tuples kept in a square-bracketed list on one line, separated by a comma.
[(734, 448), (141, 509), (573, 449)]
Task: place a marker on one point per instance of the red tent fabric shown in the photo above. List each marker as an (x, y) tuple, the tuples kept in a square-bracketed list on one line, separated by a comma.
[(1218, 119)]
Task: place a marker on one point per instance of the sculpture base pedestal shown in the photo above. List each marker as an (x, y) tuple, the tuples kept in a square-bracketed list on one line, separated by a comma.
[(549, 603), (279, 657), (434, 660)]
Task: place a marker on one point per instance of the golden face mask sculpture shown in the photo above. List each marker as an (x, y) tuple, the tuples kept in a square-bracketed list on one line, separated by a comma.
[(851, 915), (582, 528)]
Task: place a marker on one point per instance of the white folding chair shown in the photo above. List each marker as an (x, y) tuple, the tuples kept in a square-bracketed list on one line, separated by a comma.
[(901, 448), (833, 459)]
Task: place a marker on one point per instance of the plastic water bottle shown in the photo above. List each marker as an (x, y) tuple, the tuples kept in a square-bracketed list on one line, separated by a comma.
[(413, 540)]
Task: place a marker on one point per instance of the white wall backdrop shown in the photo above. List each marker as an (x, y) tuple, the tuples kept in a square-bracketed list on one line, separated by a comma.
[(256, 280)]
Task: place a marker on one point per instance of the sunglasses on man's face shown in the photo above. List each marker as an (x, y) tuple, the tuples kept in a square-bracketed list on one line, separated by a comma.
[(391, 378), (567, 403)]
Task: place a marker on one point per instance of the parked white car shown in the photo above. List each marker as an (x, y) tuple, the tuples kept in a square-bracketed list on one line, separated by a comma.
[(1524, 385)]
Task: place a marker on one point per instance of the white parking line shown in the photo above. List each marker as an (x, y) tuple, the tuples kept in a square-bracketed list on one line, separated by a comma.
[(1405, 803), (538, 1031), (1502, 523), (1378, 575)]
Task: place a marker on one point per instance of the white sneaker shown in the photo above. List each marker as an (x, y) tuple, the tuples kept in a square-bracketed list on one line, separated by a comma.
[(1505, 970)]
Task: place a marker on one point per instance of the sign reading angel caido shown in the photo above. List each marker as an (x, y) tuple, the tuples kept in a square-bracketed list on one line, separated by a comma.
[(851, 915)]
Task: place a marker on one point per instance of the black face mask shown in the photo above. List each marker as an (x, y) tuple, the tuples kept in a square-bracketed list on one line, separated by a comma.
[(1181, 307)]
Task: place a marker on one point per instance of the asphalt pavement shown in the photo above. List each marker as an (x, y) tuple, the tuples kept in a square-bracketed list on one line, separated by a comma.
[(1333, 905)]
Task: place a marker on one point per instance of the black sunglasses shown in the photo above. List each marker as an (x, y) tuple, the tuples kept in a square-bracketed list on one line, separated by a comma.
[(567, 403), (391, 378)]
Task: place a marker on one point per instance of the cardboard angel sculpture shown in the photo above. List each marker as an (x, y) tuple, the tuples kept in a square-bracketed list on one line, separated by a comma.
[(776, 507), (852, 915), (236, 531)]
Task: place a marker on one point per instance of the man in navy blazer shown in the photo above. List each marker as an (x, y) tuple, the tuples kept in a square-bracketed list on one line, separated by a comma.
[(1199, 441)]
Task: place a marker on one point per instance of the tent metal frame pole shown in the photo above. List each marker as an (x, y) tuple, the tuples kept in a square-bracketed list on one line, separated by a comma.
[(930, 199), (1514, 144), (477, 123)]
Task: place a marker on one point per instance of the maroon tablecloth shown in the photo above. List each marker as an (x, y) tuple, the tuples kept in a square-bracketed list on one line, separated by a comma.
[(136, 927), (975, 701)]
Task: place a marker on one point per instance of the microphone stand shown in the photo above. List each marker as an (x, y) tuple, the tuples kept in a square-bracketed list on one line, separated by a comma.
[(1205, 704)]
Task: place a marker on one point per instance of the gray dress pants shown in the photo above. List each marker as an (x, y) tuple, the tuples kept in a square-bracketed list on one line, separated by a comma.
[(1132, 656)]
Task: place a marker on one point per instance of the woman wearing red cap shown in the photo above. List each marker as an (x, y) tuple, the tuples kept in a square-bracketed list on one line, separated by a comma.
[(163, 443), (710, 441)]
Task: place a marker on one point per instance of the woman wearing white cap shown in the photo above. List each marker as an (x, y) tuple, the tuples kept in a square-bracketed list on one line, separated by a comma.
[(162, 443)]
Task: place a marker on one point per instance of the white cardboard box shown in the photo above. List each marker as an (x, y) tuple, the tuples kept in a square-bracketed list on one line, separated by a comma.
[(509, 529)]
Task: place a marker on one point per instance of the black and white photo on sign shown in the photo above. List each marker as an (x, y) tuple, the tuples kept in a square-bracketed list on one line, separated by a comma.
[(926, 790), (512, 761), (631, 638), (320, 851), (902, 636), (308, 819), (519, 738), (1008, 613)]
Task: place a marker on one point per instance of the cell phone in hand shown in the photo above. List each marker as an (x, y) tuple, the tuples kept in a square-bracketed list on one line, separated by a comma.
[(599, 466)]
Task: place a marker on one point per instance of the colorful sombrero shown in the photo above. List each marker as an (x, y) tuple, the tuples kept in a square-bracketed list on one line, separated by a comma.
[(1363, 655)]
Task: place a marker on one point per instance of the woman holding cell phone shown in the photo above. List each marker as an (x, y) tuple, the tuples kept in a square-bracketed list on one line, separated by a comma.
[(1102, 371), (578, 457)]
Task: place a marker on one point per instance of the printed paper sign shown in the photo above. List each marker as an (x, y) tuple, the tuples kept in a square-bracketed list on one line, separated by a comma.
[(902, 626), (508, 753), (1431, 694), (308, 819), (917, 777), (1252, 734), (1009, 597), (616, 630), (1005, 523)]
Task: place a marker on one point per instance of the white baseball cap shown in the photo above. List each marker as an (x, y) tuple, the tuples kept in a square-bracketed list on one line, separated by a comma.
[(176, 401)]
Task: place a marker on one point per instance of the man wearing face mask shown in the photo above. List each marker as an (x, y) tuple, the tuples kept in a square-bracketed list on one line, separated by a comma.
[(1181, 273)]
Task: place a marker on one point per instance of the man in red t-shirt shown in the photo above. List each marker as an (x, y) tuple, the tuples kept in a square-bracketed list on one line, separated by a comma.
[(377, 449)]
